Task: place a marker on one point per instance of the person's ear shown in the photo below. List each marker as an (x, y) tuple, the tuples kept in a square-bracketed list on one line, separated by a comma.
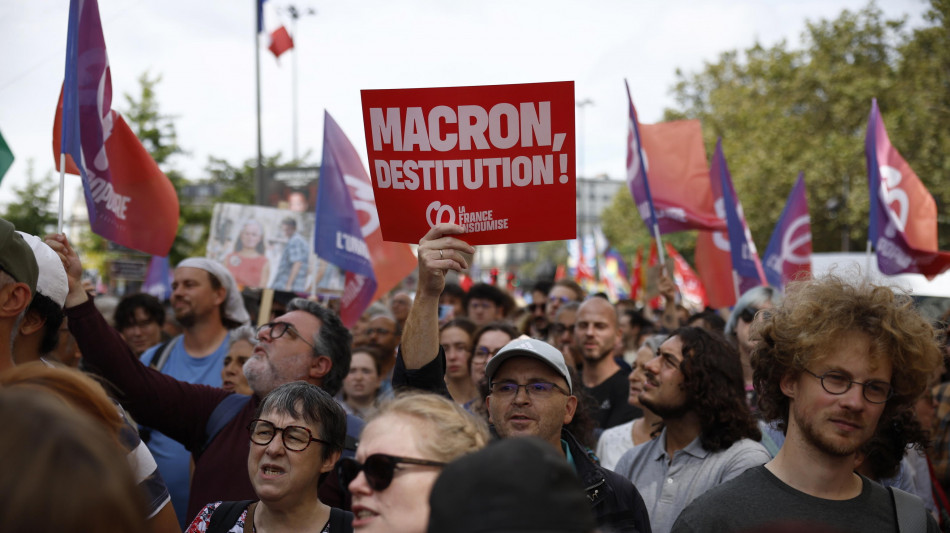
[(14, 298), (32, 322), (488, 408), (570, 409), (319, 367), (789, 384)]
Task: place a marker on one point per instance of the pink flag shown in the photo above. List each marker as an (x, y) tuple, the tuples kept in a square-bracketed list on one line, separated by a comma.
[(903, 214)]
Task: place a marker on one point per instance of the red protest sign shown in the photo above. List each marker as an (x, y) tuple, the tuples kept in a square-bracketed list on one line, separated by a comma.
[(497, 159)]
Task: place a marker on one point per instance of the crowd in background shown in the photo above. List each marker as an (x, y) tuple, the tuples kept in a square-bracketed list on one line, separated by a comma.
[(294, 422)]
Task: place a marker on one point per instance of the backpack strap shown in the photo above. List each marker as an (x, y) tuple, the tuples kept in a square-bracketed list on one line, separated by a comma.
[(222, 415), (226, 515), (911, 513), (160, 355), (340, 520)]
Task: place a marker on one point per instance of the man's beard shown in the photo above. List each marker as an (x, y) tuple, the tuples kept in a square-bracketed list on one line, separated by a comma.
[(667, 412), (187, 318), (596, 358), (820, 441)]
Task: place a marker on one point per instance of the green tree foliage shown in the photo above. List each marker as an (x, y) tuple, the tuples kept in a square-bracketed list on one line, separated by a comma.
[(32, 211), (781, 110)]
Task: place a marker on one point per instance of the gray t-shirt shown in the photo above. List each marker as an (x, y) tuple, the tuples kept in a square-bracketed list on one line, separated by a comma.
[(757, 500)]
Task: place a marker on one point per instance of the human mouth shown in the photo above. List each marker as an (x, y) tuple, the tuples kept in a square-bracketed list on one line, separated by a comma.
[(362, 516), (227, 385), (271, 471)]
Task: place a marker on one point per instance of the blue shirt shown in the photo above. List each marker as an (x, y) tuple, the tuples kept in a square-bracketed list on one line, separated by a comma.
[(174, 461)]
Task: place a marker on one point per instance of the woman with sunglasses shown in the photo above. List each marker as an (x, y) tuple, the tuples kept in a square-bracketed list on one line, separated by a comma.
[(296, 437), (739, 330), (401, 453)]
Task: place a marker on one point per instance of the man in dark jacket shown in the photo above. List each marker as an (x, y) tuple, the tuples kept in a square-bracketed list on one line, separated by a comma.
[(531, 389)]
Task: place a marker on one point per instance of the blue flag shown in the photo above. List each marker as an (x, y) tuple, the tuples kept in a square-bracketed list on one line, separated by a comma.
[(339, 237), (745, 258), (789, 250)]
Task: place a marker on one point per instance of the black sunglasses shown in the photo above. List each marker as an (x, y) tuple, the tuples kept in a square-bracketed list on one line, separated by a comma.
[(378, 468)]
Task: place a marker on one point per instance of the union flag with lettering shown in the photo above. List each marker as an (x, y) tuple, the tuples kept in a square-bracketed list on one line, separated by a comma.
[(130, 201)]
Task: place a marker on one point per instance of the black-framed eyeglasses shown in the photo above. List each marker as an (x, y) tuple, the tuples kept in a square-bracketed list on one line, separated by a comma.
[(535, 307), (295, 438), (874, 391), (378, 468), (748, 314), (538, 389), (276, 330)]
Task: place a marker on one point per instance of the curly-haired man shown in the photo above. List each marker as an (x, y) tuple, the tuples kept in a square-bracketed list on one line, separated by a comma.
[(709, 436), (836, 361)]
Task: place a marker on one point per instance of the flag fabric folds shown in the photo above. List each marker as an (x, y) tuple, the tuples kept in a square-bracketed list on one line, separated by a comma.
[(745, 258), (6, 157), (663, 161), (691, 288), (280, 41), (129, 199), (789, 252), (347, 227), (903, 214)]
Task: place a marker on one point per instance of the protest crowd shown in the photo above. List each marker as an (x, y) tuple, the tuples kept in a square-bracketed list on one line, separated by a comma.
[(451, 410)]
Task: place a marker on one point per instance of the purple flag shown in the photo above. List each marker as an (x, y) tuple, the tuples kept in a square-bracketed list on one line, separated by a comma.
[(636, 169), (158, 278), (789, 250), (903, 214), (745, 258), (339, 237)]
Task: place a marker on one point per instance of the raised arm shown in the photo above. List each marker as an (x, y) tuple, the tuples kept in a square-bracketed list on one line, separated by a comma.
[(178, 409), (439, 251)]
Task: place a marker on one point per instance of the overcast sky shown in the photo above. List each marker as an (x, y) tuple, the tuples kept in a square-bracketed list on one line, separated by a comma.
[(204, 51)]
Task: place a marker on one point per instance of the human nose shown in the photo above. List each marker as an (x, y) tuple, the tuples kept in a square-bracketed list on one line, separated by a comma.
[(853, 398), (653, 365), (276, 444)]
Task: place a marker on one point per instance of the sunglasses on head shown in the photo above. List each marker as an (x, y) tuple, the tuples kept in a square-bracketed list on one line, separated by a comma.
[(378, 468)]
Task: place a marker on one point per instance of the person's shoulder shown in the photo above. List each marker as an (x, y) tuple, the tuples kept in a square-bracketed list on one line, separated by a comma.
[(719, 503)]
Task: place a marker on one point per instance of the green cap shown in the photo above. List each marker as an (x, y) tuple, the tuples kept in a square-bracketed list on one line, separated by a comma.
[(16, 256)]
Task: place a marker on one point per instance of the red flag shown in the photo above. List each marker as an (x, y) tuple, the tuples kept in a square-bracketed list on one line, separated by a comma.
[(689, 284), (714, 263), (636, 276), (280, 41), (676, 162), (653, 267)]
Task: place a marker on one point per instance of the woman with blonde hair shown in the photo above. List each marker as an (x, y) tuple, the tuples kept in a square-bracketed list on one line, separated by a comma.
[(401, 453)]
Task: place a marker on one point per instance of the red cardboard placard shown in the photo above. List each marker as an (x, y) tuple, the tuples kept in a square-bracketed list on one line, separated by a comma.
[(497, 159)]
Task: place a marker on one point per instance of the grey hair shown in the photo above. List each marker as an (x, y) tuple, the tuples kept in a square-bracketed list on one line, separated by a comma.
[(246, 333), (304, 401), (653, 342), (331, 340), (754, 297)]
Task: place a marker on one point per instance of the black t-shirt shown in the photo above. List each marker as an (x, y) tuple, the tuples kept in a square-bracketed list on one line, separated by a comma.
[(757, 500), (610, 401)]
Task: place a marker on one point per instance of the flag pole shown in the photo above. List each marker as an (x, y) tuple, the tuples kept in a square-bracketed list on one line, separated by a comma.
[(259, 174), (62, 179)]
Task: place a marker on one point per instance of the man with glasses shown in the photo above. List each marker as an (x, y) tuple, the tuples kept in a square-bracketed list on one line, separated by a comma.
[(834, 363), (708, 436), (308, 343), (531, 391)]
